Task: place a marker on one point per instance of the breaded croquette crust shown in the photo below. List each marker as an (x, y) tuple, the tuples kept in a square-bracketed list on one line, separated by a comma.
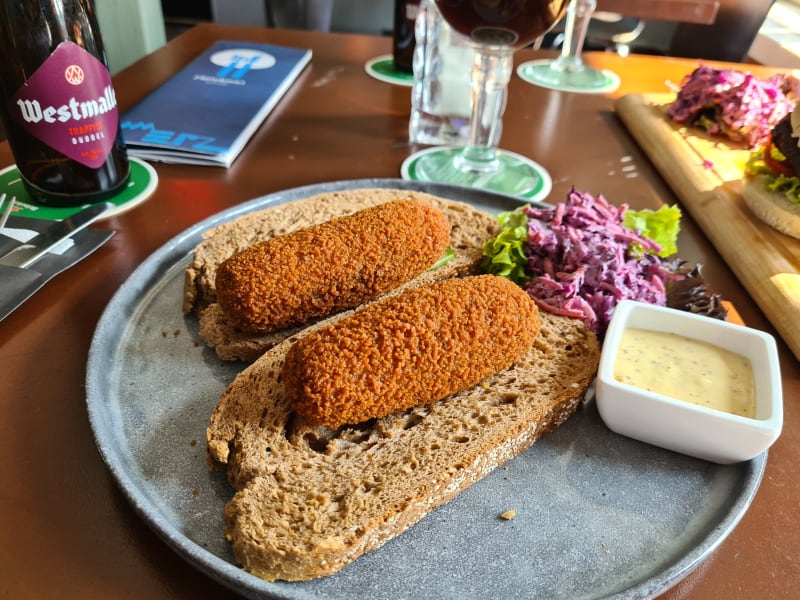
[(409, 350), (330, 267)]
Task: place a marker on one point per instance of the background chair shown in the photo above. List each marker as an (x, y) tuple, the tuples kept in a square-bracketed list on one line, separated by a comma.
[(702, 29), (300, 14), (728, 38)]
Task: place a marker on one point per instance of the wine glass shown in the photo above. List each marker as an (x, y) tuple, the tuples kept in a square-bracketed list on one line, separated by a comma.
[(495, 28), (568, 72)]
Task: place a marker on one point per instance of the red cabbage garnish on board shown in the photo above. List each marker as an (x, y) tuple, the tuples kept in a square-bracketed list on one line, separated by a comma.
[(581, 259), (731, 103)]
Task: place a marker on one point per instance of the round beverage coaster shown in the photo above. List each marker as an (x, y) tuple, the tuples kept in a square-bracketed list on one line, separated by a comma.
[(518, 176), (605, 82), (142, 182), (382, 68)]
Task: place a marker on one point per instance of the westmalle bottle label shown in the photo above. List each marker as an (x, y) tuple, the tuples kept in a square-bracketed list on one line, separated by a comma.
[(69, 104)]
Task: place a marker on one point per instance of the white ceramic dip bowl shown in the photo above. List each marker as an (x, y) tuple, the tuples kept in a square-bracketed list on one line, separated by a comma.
[(698, 430)]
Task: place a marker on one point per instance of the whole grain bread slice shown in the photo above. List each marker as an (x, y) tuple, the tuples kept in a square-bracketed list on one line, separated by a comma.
[(310, 500), (470, 229)]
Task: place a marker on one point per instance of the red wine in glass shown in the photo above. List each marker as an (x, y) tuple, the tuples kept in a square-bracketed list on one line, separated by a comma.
[(504, 22), (496, 29)]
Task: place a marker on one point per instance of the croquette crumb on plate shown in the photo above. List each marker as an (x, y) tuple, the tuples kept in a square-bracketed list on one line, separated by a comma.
[(597, 514)]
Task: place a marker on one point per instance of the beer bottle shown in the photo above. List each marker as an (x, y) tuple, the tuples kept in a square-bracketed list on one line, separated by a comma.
[(405, 17), (57, 102)]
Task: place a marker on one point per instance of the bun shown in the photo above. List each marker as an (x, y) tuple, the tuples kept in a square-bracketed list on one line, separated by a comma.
[(773, 208), (310, 500)]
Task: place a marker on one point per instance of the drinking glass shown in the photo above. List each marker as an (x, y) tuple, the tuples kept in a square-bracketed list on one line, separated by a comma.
[(568, 72), (496, 28)]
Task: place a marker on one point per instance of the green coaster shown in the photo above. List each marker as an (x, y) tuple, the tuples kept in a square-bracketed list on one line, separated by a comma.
[(382, 68), (517, 175), (143, 180), (588, 81)]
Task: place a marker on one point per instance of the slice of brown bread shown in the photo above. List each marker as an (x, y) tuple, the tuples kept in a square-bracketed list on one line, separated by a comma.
[(311, 500), (470, 229)]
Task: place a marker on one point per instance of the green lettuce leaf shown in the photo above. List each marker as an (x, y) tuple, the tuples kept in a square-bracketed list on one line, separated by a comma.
[(505, 255), (662, 226), (449, 254)]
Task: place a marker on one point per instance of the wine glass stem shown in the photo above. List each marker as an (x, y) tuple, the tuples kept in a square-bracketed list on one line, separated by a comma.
[(579, 13), (491, 72)]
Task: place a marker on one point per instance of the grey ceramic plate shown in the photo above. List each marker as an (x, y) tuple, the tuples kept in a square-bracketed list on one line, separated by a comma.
[(597, 515)]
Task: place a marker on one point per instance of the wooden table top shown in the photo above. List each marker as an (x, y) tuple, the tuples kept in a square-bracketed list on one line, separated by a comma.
[(68, 532)]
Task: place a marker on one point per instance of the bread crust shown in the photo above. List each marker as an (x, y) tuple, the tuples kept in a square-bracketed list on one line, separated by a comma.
[(773, 208), (310, 500)]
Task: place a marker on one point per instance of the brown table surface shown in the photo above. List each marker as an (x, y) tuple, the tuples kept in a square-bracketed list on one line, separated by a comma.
[(67, 532)]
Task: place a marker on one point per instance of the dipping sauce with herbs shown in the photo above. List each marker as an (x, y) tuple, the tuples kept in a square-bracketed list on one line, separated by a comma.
[(686, 369)]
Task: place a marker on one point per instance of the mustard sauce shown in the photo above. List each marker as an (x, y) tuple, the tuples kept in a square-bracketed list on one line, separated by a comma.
[(686, 369)]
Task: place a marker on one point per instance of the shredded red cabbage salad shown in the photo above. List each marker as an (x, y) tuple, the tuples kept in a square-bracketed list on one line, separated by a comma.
[(734, 104), (584, 260)]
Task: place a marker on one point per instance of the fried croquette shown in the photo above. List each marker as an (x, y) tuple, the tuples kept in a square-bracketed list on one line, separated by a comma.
[(409, 350), (323, 269)]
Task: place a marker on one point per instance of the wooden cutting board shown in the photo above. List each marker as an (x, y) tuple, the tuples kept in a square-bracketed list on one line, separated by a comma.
[(706, 175)]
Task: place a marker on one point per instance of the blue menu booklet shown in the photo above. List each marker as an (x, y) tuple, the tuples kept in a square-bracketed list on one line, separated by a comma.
[(206, 113)]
